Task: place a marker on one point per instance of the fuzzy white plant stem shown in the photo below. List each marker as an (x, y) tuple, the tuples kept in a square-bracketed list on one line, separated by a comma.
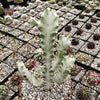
[(67, 63), (27, 75), (62, 64), (56, 67), (64, 69), (63, 44), (47, 26)]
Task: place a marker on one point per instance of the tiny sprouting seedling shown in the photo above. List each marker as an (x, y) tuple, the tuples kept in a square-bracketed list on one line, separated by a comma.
[(14, 39), (4, 20)]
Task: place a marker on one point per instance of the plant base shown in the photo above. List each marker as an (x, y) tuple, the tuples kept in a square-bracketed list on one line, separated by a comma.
[(58, 92)]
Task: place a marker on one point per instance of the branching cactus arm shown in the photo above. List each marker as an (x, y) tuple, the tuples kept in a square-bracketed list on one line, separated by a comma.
[(27, 75), (63, 44), (67, 63), (65, 68), (62, 64)]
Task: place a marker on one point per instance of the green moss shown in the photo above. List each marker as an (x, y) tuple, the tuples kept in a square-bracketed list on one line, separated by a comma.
[(3, 92)]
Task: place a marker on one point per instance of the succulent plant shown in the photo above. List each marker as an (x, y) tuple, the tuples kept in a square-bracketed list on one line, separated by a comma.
[(92, 78), (98, 14), (75, 70), (87, 10), (38, 55), (88, 26), (83, 57), (2, 11), (15, 80), (3, 92), (83, 94), (68, 28), (93, 20), (56, 66), (79, 31), (75, 22), (91, 45), (4, 20), (81, 16), (75, 41), (29, 64), (96, 37), (8, 18), (69, 50)]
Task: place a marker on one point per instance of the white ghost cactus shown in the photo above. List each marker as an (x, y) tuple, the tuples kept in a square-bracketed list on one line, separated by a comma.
[(56, 66)]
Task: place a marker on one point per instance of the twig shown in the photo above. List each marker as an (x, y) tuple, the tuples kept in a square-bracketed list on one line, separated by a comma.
[(21, 79), (14, 53), (71, 90)]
